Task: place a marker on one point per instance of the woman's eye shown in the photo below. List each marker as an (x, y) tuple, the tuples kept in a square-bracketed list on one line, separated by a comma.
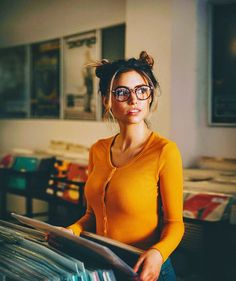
[(122, 92), (142, 90)]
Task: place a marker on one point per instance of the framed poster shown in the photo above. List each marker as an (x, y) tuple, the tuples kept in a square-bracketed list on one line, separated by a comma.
[(223, 65), (113, 42), (45, 89), (14, 82), (80, 89)]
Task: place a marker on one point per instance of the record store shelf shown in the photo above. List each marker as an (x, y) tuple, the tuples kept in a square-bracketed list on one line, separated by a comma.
[(35, 186)]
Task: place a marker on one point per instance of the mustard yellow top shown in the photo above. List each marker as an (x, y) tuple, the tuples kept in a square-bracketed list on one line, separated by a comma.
[(122, 202)]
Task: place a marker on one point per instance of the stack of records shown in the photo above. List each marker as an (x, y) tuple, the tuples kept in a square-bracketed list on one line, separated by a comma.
[(25, 255)]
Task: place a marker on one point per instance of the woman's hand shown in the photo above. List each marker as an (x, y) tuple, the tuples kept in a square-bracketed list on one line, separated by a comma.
[(150, 264), (49, 236), (65, 229)]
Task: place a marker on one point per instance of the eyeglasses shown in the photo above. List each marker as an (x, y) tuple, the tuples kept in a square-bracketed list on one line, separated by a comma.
[(123, 93)]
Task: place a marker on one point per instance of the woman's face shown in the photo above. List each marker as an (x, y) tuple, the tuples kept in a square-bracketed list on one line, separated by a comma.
[(133, 110)]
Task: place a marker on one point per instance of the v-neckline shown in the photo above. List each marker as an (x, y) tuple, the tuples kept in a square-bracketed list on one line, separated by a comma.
[(133, 159)]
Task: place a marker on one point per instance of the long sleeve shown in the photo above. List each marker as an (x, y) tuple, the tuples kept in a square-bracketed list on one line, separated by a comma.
[(124, 199), (87, 222), (171, 191)]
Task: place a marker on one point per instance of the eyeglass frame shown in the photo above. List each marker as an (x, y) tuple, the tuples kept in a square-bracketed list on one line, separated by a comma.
[(133, 91)]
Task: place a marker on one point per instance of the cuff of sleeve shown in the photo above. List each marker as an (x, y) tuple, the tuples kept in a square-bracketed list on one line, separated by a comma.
[(76, 228), (162, 252)]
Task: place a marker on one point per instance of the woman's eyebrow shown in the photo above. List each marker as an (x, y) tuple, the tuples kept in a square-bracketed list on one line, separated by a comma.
[(122, 86)]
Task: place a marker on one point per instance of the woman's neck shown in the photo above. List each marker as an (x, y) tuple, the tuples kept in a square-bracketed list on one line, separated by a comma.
[(132, 136)]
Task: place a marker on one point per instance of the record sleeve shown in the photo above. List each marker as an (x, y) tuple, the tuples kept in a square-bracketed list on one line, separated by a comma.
[(88, 247)]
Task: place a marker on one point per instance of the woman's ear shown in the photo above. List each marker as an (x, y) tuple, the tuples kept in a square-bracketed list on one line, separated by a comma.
[(104, 101), (150, 99)]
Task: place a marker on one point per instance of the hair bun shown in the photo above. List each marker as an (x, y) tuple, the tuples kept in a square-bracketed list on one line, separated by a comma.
[(104, 61), (102, 68), (146, 58)]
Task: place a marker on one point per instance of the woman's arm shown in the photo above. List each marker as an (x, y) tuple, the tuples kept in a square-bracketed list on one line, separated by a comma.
[(171, 191), (87, 222)]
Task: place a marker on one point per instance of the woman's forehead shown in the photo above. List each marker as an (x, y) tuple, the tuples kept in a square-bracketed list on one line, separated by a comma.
[(130, 78)]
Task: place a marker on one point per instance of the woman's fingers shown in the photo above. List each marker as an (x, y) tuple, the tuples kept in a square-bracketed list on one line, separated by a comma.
[(66, 230), (138, 264), (49, 236), (149, 265)]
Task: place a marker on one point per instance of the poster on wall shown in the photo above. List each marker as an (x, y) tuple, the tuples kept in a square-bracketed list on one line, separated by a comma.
[(13, 82), (223, 94), (80, 98), (45, 94)]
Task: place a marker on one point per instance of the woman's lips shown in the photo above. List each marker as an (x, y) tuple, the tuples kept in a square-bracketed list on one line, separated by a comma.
[(134, 111)]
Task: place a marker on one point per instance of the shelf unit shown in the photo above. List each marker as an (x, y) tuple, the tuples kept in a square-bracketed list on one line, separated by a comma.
[(36, 183)]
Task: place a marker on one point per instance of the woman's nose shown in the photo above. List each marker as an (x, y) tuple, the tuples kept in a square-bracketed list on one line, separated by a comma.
[(133, 98)]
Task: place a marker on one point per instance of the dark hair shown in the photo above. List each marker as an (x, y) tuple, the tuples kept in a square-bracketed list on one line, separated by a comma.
[(106, 70)]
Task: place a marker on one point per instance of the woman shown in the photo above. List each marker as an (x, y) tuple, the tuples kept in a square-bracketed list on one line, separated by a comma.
[(125, 171)]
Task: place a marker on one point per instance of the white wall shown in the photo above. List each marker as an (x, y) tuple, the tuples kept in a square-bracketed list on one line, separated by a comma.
[(173, 31), (184, 128), (27, 21), (36, 134), (149, 28)]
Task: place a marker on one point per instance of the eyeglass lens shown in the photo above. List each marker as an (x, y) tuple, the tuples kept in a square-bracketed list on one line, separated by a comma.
[(123, 94)]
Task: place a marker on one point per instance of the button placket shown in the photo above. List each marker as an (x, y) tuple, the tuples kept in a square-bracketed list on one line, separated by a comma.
[(106, 185)]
